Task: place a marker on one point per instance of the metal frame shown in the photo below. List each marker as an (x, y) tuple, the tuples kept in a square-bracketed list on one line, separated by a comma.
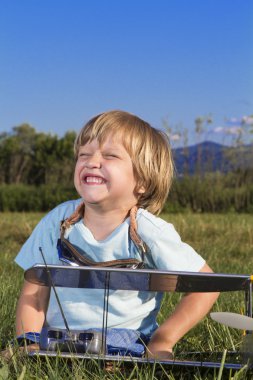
[(140, 280)]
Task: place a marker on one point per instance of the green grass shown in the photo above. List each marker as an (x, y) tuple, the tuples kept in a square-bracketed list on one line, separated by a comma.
[(225, 241)]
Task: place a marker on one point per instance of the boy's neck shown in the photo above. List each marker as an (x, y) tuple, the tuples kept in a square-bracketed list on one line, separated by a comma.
[(102, 224)]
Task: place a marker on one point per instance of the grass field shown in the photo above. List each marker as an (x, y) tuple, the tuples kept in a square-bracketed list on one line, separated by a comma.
[(225, 241)]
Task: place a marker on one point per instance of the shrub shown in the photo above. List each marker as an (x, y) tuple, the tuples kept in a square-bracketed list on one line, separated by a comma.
[(31, 198), (215, 192)]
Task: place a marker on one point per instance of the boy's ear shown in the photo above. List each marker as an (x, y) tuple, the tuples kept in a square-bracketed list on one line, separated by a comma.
[(141, 190)]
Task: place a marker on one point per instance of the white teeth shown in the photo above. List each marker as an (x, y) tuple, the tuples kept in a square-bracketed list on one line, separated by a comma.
[(94, 180)]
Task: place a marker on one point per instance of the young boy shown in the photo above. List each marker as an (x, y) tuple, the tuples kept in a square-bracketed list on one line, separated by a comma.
[(123, 174)]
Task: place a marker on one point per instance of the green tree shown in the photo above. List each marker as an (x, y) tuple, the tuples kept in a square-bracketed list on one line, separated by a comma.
[(15, 153)]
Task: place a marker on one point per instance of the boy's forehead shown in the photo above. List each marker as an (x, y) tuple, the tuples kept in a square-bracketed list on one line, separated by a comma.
[(110, 139)]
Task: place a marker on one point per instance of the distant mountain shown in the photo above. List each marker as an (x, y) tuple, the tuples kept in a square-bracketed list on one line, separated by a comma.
[(210, 156)]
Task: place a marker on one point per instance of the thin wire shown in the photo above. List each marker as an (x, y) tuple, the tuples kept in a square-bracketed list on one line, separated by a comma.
[(105, 311), (107, 305), (55, 293)]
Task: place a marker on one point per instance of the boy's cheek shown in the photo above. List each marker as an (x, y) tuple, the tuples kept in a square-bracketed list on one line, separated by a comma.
[(78, 168), (76, 180)]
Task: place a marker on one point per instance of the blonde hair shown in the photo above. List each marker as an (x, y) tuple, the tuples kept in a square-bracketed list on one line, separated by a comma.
[(148, 148)]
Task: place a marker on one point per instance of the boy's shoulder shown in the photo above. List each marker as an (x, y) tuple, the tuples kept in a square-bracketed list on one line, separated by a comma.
[(150, 226), (145, 217), (62, 211)]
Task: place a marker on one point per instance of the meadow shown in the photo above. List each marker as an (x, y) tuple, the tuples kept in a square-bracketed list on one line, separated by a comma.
[(224, 240)]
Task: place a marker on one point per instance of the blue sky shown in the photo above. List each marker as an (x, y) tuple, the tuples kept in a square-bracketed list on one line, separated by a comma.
[(64, 61)]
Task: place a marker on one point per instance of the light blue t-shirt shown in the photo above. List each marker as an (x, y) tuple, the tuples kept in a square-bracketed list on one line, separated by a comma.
[(83, 308)]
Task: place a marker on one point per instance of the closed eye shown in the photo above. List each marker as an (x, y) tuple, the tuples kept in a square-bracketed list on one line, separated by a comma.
[(110, 156), (84, 154)]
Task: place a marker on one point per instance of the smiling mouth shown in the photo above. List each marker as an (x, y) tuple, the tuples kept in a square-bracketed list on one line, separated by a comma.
[(91, 180)]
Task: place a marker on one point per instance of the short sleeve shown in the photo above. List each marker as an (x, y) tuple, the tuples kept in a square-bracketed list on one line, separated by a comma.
[(42, 237), (167, 249), (45, 236), (170, 253)]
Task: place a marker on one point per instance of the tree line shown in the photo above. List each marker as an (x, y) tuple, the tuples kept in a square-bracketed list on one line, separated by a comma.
[(35, 158), (36, 174)]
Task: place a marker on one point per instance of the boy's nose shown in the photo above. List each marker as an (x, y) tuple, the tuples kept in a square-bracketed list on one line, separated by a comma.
[(94, 161)]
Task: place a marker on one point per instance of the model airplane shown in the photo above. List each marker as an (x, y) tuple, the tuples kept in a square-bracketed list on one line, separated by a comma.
[(87, 344), (237, 321)]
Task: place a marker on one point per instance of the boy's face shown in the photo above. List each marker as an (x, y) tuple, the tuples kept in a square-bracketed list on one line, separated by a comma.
[(104, 175)]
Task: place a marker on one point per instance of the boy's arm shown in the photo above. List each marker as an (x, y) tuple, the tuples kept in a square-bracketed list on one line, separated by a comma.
[(31, 308), (190, 310)]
